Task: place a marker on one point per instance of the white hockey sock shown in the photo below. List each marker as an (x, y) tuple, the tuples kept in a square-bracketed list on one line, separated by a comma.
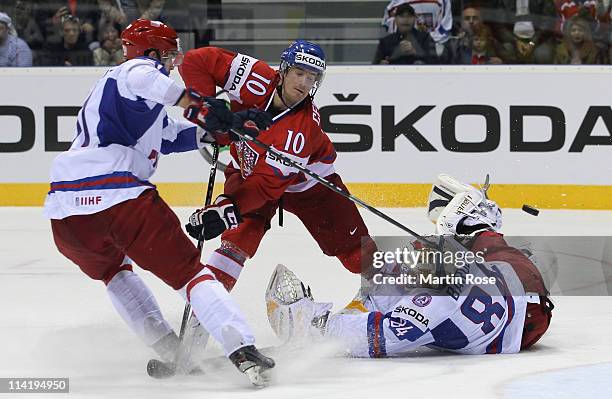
[(219, 314), (138, 307)]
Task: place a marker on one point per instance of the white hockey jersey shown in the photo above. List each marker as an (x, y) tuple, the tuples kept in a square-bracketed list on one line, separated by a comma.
[(436, 15), (121, 130), (466, 317)]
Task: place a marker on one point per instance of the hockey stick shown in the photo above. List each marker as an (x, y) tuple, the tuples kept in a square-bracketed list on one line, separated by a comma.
[(157, 368), (206, 154), (333, 187), (207, 201), (327, 183), (209, 192)]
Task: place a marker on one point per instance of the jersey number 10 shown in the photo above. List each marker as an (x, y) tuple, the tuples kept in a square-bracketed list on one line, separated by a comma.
[(295, 143)]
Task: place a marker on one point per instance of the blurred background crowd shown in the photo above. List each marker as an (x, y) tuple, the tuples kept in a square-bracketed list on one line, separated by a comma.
[(464, 32)]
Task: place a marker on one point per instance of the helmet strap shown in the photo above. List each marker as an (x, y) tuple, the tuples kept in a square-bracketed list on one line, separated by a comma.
[(279, 89)]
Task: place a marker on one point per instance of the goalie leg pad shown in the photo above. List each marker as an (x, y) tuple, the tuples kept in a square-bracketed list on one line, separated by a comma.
[(302, 320), (292, 313)]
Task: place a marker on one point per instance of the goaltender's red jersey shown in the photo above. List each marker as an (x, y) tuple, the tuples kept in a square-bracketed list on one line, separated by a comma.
[(255, 177)]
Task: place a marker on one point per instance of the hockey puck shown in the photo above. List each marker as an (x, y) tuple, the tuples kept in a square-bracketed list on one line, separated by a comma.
[(530, 210), (160, 370)]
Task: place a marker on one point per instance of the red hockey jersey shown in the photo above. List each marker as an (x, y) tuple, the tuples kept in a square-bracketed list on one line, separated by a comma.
[(254, 176)]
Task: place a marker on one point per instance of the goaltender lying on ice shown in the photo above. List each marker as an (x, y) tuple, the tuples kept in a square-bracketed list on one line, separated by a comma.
[(497, 305)]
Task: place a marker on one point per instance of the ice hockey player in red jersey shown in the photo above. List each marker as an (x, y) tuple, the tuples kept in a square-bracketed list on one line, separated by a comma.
[(495, 304), (257, 183)]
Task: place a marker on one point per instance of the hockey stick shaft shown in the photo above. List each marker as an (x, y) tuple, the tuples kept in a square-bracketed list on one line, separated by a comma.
[(207, 201), (333, 187), (155, 367)]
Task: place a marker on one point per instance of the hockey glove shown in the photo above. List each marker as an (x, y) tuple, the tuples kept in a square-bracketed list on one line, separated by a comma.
[(442, 192), (469, 213), (212, 114), (214, 219), (251, 122)]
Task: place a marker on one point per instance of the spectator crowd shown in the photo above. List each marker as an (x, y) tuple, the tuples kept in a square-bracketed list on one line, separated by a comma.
[(87, 32), (496, 32)]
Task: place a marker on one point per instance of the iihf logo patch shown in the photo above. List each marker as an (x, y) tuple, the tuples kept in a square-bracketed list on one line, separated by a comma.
[(89, 200), (422, 300)]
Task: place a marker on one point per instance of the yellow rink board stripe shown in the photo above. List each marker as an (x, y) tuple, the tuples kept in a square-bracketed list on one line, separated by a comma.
[(547, 196)]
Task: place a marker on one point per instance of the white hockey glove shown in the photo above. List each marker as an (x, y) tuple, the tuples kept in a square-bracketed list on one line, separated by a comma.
[(442, 192), (292, 312), (469, 213)]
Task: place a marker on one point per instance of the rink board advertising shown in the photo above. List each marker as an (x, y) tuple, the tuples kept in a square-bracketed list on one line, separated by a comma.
[(544, 134)]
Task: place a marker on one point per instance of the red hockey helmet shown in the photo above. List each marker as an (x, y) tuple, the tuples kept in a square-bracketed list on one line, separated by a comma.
[(143, 35)]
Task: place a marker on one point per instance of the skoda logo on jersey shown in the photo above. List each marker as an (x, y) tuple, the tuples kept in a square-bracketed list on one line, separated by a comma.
[(422, 300), (401, 310), (242, 68), (311, 60)]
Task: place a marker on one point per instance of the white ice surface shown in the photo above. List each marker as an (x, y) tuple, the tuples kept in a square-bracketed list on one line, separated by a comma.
[(55, 322)]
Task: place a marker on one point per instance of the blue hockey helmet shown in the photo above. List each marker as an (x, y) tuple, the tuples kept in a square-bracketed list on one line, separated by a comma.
[(305, 55)]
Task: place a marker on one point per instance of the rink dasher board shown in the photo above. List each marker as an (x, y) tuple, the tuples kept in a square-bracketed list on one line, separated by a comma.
[(540, 131)]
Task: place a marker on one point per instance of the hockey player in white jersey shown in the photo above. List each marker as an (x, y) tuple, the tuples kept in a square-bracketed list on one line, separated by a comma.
[(497, 304), (105, 213)]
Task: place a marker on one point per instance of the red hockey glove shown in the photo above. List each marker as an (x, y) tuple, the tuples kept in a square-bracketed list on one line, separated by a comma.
[(214, 219)]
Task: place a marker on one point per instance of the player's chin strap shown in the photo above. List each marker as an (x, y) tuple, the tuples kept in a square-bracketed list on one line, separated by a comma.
[(279, 91)]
